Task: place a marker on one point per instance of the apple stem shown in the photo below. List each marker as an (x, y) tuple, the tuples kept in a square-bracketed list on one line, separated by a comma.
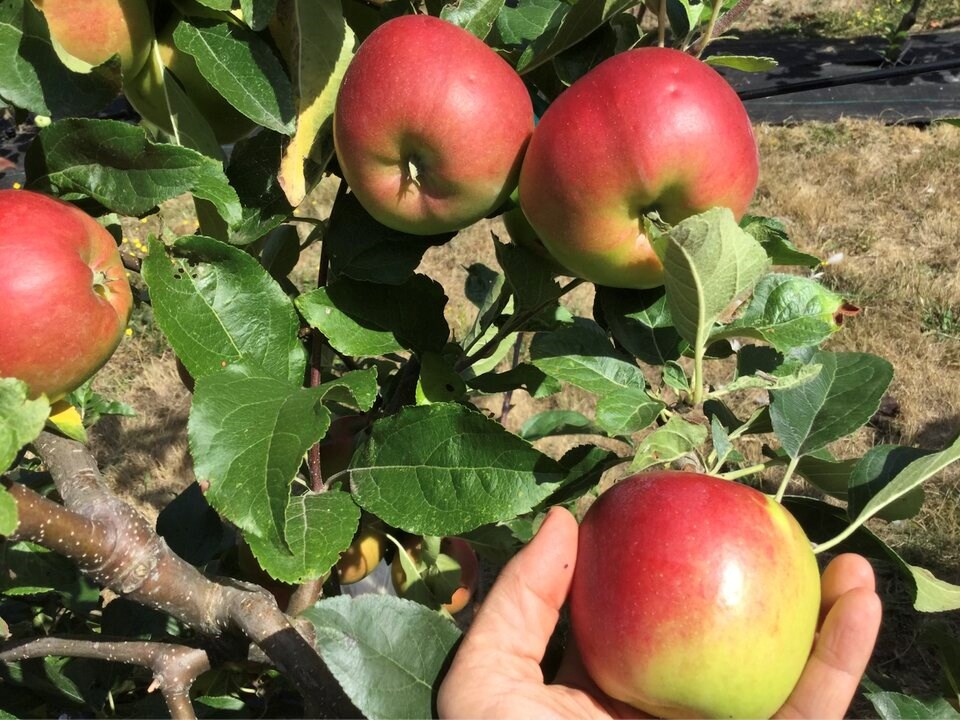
[(662, 24), (786, 478), (742, 472), (708, 33)]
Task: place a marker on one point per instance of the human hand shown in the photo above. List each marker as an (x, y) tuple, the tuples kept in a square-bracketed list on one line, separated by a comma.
[(496, 672)]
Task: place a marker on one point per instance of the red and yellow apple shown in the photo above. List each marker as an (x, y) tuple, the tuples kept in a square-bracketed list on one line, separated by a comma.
[(693, 596), (430, 126), (651, 129), (433, 583), (64, 295), (93, 31)]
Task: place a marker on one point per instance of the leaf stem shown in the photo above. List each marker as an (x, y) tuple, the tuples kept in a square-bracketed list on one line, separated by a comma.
[(708, 33), (833, 542), (786, 478), (513, 324), (698, 376), (743, 472)]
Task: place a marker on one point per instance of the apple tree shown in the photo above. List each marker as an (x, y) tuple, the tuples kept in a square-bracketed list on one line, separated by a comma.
[(340, 424)]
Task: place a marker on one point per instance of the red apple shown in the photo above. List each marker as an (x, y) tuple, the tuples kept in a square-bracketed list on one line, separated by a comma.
[(64, 295), (430, 126), (651, 129), (93, 31), (693, 596), (432, 583)]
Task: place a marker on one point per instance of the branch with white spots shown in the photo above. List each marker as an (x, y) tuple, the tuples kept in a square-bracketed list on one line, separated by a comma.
[(174, 667), (117, 548)]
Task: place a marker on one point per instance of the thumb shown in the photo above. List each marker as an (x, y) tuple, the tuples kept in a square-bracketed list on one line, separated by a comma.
[(519, 614)]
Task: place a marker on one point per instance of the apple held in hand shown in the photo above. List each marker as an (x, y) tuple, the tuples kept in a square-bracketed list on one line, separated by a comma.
[(430, 126), (64, 295), (651, 129), (693, 596)]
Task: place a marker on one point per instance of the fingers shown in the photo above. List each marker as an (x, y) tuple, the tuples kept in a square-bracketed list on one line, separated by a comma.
[(521, 610), (844, 573), (840, 655)]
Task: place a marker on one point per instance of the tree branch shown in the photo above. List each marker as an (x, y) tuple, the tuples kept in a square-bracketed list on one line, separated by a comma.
[(174, 667), (117, 548)]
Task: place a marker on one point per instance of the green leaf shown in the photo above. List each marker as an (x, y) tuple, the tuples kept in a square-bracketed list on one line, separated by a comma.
[(722, 445), (318, 528), (444, 469), (317, 46), (21, 420), (709, 263), (822, 522), (585, 465), (387, 669), (684, 16), (218, 306), (438, 381), (841, 398), (361, 248), (524, 376), (640, 321), (520, 25), (489, 291), (534, 286), (787, 311), (821, 469), (29, 569), (675, 377), (248, 434), (345, 334), (788, 375), (746, 63), (257, 13), (35, 79), (474, 16), (906, 480), (569, 26), (8, 512), (880, 465), (557, 422), (896, 706), (668, 443), (582, 356), (772, 235), (242, 68), (115, 164), (362, 318), (253, 168)]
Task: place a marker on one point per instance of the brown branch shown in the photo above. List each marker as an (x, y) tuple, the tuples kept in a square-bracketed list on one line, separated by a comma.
[(117, 548), (174, 667), (305, 596)]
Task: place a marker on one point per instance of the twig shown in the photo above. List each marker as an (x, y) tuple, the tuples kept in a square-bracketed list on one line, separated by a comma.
[(508, 395), (174, 667), (305, 596), (725, 23), (317, 344)]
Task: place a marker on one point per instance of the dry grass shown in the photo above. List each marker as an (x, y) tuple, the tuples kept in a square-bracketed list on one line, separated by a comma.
[(844, 18)]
